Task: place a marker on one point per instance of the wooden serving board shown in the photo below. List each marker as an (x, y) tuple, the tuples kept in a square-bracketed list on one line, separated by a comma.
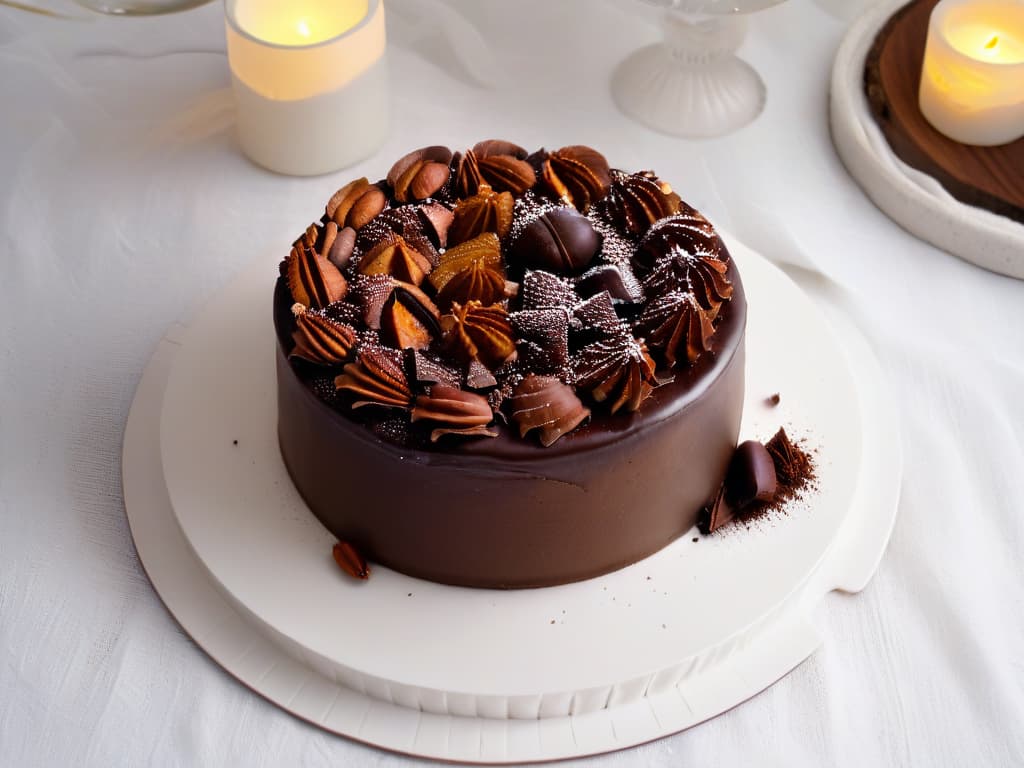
[(986, 177)]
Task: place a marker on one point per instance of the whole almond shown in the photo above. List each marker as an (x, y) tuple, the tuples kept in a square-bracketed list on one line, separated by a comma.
[(430, 178), (343, 200), (369, 204), (330, 232), (435, 154), (341, 250), (350, 561), (491, 147)]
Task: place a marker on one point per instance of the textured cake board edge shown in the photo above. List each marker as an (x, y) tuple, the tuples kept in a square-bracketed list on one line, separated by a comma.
[(911, 198), (227, 636)]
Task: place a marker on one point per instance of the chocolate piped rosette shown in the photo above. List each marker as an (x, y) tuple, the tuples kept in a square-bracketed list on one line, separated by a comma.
[(505, 307)]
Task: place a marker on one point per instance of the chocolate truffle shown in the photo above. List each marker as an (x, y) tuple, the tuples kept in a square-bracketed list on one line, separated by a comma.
[(751, 475), (561, 241)]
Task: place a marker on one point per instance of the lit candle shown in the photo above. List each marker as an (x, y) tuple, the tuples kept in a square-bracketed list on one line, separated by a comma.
[(310, 81), (972, 81)]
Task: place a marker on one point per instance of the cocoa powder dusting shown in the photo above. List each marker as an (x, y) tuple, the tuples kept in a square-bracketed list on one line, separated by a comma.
[(794, 472)]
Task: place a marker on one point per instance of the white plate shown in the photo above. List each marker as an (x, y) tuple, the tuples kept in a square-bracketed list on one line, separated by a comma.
[(913, 199), (483, 675)]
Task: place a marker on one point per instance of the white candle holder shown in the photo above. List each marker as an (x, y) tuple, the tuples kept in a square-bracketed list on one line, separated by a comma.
[(692, 84), (308, 109), (972, 80)]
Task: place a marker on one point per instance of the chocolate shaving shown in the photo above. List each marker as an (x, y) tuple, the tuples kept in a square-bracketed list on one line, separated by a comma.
[(545, 404), (716, 514), (454, 412)]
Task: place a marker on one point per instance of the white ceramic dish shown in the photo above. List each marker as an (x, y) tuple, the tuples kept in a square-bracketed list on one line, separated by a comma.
[(480, 675), (914, 200)]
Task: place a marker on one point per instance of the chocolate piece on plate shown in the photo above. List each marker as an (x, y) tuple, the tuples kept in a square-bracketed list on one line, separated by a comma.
[(350, 561), (751, 475), (716, 514)]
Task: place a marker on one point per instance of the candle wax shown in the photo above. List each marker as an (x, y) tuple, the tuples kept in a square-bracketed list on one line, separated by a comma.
[(299, 22), (987, 43)]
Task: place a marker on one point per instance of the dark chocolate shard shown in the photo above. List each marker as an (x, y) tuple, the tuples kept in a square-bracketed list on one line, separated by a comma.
[(424, 369), (542, 339), (604, 277), (618, 249), (751, 475), (478, 378), (370, 293), (716, 514), (597, 314), (540, 290)]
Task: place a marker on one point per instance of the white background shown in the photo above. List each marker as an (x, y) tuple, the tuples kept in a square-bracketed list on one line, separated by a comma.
[(125, 205)]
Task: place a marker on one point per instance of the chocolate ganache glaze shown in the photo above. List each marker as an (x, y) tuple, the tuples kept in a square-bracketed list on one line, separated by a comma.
[(507, 370)]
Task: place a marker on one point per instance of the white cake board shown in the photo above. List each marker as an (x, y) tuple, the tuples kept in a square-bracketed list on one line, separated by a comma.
[(913, 199), (482, 675)]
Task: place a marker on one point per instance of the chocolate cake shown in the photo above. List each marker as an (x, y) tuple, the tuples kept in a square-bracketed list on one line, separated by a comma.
[(502, 369)]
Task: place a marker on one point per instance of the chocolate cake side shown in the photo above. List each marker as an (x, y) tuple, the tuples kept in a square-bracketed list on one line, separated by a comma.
[(510, 514)]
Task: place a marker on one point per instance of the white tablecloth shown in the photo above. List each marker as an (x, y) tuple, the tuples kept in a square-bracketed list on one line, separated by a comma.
[(126, 204)]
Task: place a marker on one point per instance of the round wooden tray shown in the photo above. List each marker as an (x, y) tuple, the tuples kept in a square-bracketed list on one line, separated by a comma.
[(986, 177), (967, 200)]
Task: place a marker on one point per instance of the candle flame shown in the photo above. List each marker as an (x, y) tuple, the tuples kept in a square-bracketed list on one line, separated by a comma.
[(992, 44), (303, 27)]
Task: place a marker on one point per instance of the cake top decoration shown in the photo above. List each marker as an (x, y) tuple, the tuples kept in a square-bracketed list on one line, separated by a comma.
[(470, 292)]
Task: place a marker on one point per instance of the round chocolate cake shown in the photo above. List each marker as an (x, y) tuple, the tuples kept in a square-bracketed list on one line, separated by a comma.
[(503, 369)]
